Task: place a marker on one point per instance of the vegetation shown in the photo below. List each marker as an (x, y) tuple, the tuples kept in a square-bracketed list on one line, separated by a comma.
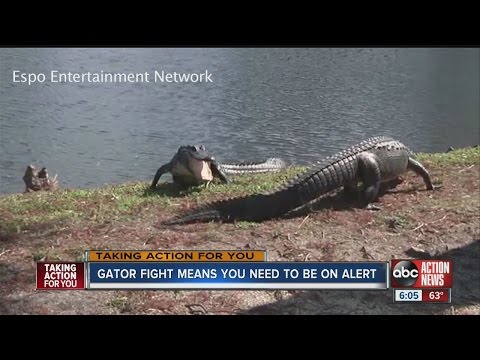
[(62, 224), (104, 205)]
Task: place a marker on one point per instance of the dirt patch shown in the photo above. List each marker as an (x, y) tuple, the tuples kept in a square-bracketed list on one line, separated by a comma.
[(412, 223)]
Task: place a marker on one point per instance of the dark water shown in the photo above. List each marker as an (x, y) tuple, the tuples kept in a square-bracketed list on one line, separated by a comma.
[(300, 104)]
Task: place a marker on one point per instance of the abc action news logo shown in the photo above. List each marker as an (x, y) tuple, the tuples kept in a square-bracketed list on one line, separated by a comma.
[(421, 273)]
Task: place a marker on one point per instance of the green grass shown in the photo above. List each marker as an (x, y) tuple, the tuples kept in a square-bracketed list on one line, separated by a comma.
[(461, 157), (395, 220), (25, 212), (43, 211)]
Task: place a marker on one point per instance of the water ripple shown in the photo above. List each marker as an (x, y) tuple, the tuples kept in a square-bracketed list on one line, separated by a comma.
[(300, 104)]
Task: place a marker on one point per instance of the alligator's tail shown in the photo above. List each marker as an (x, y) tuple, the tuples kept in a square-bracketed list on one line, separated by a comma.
[(201, 215), (299, 191), (249, 208), (269, 165)]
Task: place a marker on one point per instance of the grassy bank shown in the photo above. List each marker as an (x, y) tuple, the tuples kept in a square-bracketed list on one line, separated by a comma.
[(60, 225), (34, 212), (30, 212)]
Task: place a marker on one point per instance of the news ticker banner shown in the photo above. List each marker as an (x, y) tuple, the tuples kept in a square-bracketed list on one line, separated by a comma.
[(222, 275), (412, 280)]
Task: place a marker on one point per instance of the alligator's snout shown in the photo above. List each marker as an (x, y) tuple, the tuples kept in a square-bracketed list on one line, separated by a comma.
[(193, 172), (201, 169)]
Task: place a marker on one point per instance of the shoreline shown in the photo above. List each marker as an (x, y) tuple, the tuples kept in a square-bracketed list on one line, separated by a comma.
[(413, 222), (297, 167)]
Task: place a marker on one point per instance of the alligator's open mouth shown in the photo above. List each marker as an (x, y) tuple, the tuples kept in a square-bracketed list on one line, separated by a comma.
[(201, 169), (197, 171)]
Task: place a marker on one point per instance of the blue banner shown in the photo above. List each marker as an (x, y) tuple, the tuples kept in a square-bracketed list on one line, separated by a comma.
[(224, 275)]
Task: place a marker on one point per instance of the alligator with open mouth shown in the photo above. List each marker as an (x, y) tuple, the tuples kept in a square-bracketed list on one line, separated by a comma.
[(193, 165)]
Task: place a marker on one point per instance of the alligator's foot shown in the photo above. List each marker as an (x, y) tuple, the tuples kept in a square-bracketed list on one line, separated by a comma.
[(351, 193), (392, 184), (430, 187), (373, 207)]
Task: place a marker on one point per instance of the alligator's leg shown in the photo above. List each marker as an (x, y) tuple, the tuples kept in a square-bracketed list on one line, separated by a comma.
[(420, 170), (369, 171), (389, 185), (217, 172), (162, 170), (351, 191)]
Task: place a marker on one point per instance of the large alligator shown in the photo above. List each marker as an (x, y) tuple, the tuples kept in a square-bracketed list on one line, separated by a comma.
[(193, 165), (374, 162)]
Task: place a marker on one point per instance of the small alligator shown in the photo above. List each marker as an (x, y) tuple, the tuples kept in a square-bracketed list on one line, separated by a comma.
[(374, 162), (38, 181), (192, 165)]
